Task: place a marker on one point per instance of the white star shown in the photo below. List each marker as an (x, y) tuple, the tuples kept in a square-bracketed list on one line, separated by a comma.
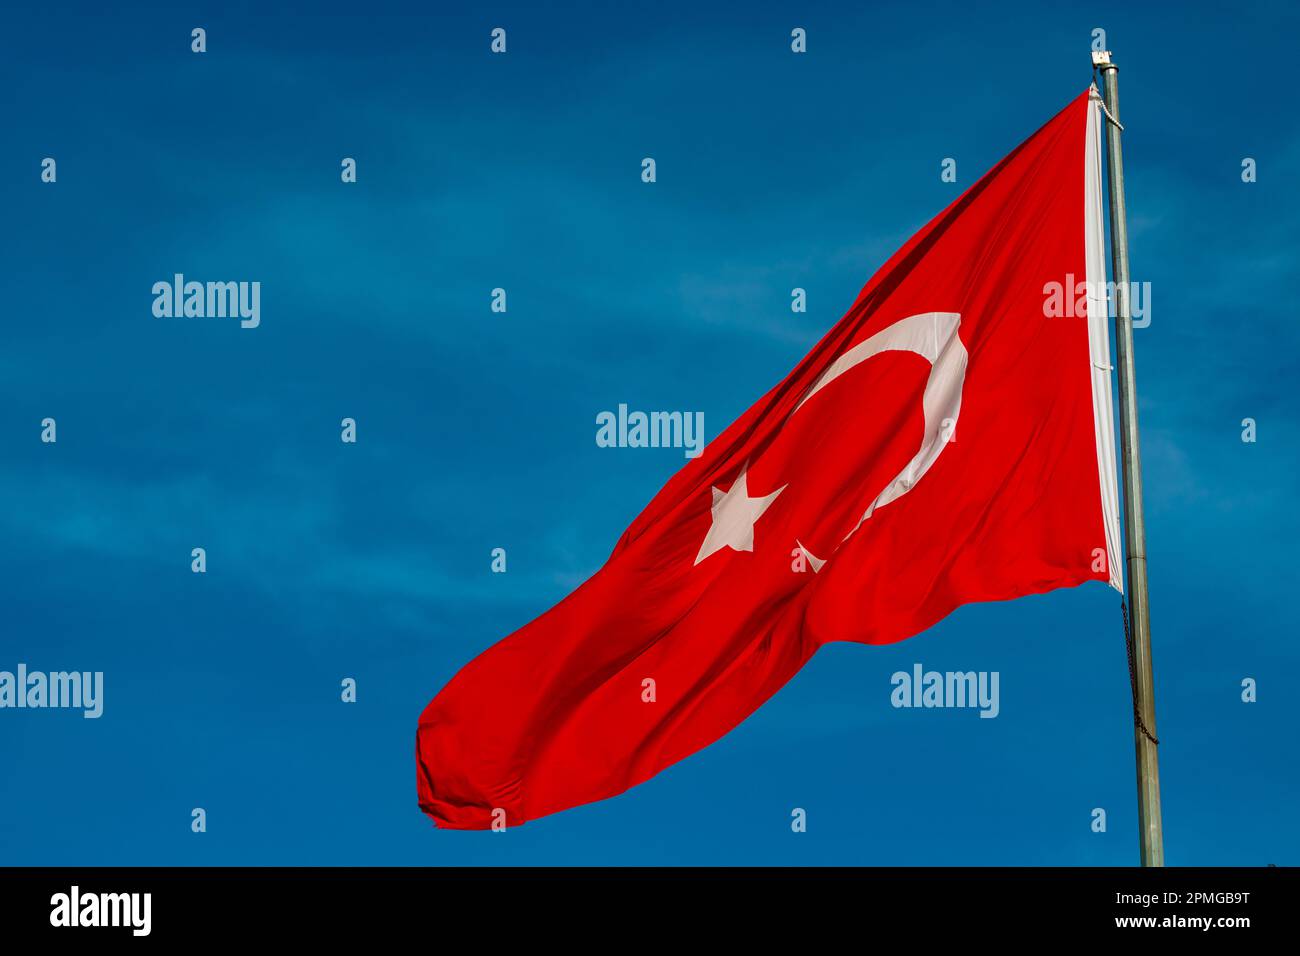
[(734, 514)]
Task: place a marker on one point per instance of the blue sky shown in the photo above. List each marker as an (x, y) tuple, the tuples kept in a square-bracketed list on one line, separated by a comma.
[(476, 430)]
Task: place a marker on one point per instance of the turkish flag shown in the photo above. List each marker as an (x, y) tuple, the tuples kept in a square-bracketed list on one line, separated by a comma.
[(949, 440)]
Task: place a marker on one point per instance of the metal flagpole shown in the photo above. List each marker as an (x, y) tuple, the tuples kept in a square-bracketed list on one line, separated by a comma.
[(1144, 730)]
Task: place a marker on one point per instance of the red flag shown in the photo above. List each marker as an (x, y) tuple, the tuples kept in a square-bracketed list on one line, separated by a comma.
[(949, 440)]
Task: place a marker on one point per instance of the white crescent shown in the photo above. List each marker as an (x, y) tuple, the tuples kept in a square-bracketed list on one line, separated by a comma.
[(933, 336)]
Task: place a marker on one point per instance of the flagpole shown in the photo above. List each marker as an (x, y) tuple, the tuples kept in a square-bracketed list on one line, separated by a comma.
[(1144, 730)]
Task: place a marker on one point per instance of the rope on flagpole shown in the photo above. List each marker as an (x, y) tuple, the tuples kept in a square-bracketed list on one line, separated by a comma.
[(1102, 102), (1132, 676)]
